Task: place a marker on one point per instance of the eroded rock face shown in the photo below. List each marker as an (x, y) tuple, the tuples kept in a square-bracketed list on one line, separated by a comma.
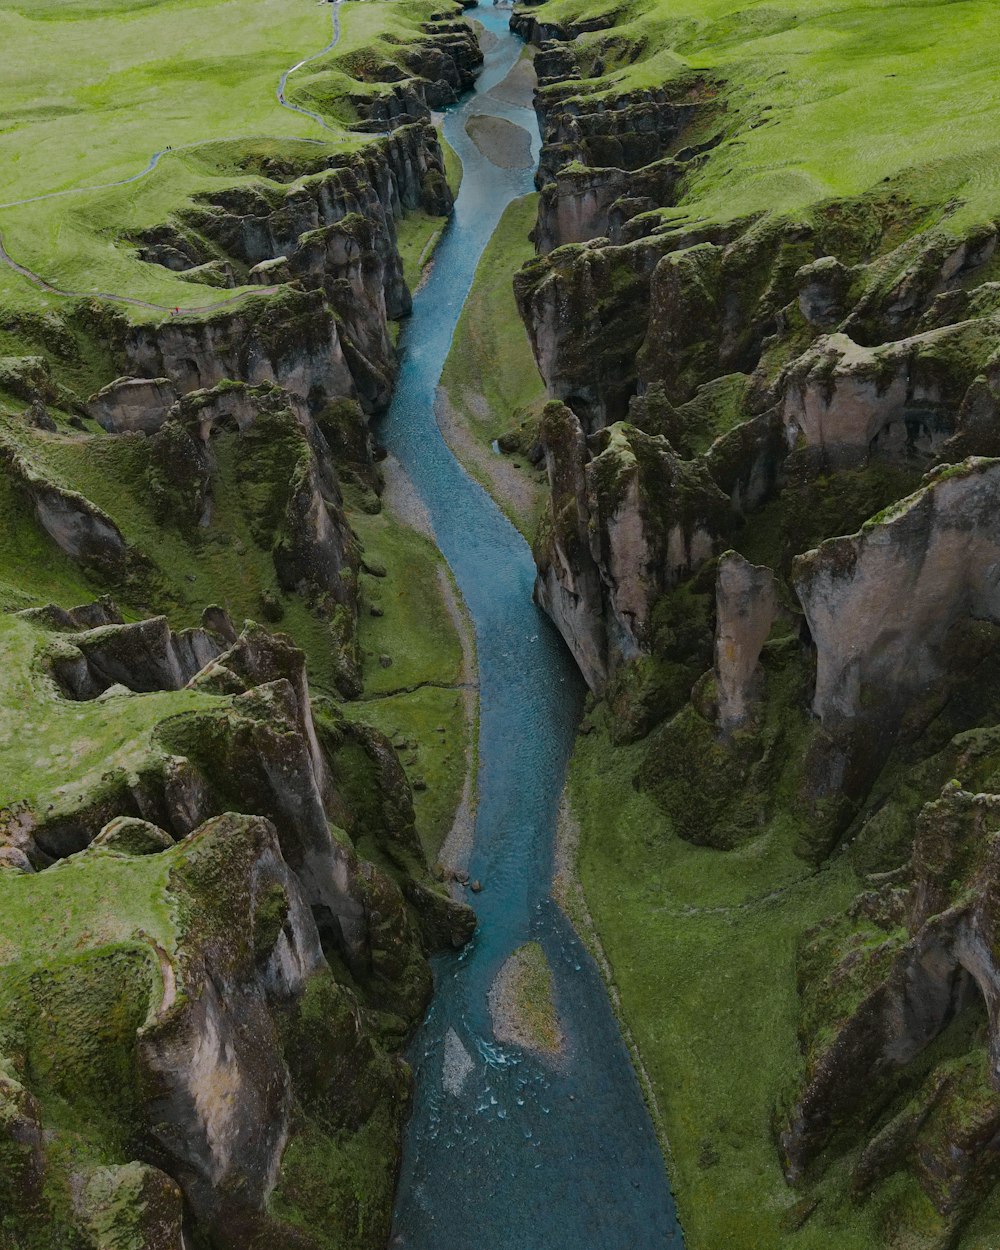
[(604, 161), (443, 64), (294, 342), (880, 985), (259, 751), (326, 343), (131, 836), (844, 403), (746, 604), (332, 233), (880, 604), (218, 1068), (146, 655), (813, 367), (824, 290), (628, 520), (133, 404), (580, 204), (221, 1113), (240, 1032), (568, 585), (77, 527), (585, 310)]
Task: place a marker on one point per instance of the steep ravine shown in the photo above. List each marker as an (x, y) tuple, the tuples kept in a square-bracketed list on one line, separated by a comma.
[(505, 1146)]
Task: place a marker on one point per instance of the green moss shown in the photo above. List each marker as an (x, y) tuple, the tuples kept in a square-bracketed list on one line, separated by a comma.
[(452, 167), (717, 408), (522, 1003), (809, 510), (59, 753), (270, 916), (650, 688), (338, 1187)]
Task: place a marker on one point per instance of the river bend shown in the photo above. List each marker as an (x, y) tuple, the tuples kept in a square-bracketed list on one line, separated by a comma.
[(512, 1151)]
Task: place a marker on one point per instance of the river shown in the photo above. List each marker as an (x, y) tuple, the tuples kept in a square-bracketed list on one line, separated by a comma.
[(511, 1151)]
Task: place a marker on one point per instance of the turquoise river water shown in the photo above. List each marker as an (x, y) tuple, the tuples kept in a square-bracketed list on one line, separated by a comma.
[(506, 1150)]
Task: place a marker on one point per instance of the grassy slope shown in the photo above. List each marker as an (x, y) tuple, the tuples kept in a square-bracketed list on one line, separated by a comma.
[(416, 698), (93, 89), (55, 749), (707, 985), (99, 86), (221, 564), (823, 100), (490, 377), (827, 98)]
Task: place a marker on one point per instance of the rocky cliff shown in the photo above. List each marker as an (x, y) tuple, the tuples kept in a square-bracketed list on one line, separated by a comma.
[(233, 1045), (770, 546), (216, 906)]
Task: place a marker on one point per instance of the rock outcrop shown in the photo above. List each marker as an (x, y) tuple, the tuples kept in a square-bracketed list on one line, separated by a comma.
[(627, 521), (880, 986), (746, 605), (78, 527), (881, 605), (230, 1041), (843, 403), (146, 655), (428, 73), (293, 341), (133, 404)]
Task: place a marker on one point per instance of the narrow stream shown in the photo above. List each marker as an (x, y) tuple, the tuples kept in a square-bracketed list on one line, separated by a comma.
[(507, 1151)]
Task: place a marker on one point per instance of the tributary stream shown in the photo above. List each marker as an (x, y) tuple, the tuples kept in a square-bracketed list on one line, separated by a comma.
[(507, 1150)]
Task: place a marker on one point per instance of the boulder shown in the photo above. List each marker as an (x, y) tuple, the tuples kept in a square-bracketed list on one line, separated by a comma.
[(131, 836), (130, 1207)]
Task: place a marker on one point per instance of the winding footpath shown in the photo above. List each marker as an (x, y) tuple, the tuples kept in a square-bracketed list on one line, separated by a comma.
[(153, 162)]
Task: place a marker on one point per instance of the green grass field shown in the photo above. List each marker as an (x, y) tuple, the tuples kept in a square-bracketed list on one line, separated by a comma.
[(92, 88), (823, 98), (490, 377), (702, 946)]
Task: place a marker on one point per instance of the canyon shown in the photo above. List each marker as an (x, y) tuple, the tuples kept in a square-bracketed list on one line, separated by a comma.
[(341, 884)]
